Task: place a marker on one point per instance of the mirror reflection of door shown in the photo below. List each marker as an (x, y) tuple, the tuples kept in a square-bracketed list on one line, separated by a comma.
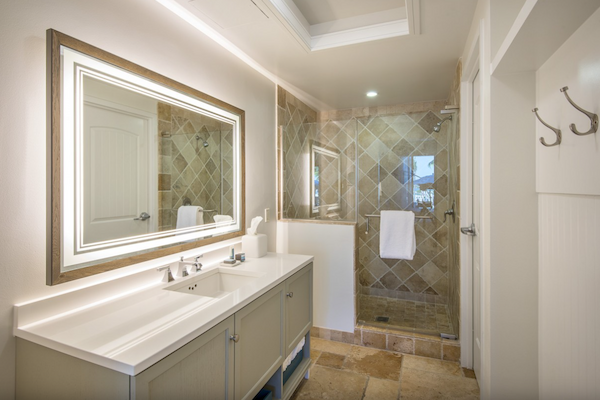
[(117, 178)]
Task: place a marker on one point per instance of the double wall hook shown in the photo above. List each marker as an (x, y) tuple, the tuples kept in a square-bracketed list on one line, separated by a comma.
[(593, 117), (555, 130)]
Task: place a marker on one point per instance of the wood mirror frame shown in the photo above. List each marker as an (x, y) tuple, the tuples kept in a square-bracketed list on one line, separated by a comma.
[(55, 272)]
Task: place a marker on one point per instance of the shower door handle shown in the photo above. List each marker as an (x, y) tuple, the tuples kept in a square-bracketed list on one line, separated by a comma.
[(469, 230)]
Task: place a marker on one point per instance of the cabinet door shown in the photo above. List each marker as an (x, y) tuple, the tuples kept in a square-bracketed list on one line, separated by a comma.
[(202, 369), (259, 349), (298, 307)]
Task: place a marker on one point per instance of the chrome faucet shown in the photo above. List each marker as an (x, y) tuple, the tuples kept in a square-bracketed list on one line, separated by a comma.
[(168, 276), (196, 265)]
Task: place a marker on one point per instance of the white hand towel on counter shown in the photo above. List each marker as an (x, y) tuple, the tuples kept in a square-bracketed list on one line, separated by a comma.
[(397, 235), (188, 216)]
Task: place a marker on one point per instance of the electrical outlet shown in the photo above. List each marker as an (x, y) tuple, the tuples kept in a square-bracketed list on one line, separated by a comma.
[(267, 214)]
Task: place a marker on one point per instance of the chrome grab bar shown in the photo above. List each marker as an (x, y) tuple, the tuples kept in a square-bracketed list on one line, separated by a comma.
[(367, 216)]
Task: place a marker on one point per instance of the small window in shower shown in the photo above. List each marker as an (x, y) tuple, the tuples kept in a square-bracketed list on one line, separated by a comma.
[(423, 179)]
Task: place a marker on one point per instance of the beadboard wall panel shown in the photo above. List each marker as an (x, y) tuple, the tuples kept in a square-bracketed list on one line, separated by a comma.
[(569, 290)]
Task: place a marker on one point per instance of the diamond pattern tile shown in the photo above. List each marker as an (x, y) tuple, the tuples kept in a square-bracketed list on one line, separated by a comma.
[(386, 147), (195, 169)]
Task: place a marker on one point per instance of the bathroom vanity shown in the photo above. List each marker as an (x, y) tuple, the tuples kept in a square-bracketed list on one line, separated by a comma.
[(221, 333)]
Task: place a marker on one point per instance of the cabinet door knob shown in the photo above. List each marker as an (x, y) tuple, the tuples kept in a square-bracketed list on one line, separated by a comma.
[(290, 294), (235, 338)]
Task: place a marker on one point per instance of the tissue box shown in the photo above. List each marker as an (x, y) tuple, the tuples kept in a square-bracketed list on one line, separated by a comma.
[(254, 246)]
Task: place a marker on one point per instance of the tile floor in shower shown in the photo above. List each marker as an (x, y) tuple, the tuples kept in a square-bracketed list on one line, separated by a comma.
[(406, 315)]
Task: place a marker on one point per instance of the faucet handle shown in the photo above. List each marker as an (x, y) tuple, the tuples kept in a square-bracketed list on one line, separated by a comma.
[(168, 276), (199, 256), (183, 272), (197, 265)]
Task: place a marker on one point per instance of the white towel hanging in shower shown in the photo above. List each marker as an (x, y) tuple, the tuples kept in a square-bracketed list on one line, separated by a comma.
[(397, 235)]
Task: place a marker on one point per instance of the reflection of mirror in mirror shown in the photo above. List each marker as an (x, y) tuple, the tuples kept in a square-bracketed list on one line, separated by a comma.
[(326, 181), (145, 156), (136, 151)]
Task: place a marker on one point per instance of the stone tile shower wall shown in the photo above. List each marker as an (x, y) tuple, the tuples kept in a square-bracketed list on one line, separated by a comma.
[(388, 139), (298, 132), (294, 119), (187, 169)]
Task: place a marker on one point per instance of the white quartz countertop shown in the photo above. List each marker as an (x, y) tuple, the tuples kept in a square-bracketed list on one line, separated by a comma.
[(131, 332)]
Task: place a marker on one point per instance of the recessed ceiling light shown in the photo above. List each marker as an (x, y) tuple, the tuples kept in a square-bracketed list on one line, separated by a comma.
[(371, 94)]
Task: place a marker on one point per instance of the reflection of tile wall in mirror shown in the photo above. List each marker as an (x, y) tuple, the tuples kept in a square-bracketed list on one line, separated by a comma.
[(197, 156)]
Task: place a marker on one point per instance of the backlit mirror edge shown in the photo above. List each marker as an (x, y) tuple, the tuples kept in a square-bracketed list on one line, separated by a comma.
[(54, 275)]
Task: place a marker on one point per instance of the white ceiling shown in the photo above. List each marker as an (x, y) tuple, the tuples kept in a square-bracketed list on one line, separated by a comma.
[(402, 69), (319, 11)]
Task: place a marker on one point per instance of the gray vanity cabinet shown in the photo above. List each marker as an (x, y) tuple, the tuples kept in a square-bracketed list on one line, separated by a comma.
[(202, 369), (259, 346), (298, 307), (233, 360)]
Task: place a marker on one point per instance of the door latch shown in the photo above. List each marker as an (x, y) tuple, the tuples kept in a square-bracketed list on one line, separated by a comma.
[(143, 216), (469, 230)]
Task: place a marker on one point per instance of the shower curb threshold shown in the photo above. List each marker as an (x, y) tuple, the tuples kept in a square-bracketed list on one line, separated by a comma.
[(405, 342)]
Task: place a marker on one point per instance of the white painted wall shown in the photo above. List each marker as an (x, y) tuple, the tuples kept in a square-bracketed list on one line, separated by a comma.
[(140, 31), (570, 223), (514, 237), (508, 231), (539, 325), (574, 166), (333, 270), (503, 14)]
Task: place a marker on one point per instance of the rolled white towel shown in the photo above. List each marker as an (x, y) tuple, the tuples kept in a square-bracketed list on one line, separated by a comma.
[(293, 354), (222, 218)]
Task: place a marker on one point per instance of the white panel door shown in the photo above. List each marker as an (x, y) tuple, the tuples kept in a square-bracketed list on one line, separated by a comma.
[(116, 174), (476, 219)]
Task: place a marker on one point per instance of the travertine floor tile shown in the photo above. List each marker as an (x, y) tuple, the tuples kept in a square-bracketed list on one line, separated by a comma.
[(431, 365), (375, 363), (380, 389), (331, 360), (469, 373), (369, 374), (331, 384), (422, 385), (314, 355), (328, 346)]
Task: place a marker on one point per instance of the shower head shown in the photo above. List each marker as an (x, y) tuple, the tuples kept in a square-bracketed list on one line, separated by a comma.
[(438, 126), (204, 142)]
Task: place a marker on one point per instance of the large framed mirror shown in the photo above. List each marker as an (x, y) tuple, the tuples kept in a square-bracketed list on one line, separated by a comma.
[(140, 166)]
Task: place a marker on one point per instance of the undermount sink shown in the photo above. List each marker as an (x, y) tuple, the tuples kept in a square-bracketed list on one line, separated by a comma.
[(216, 282)]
